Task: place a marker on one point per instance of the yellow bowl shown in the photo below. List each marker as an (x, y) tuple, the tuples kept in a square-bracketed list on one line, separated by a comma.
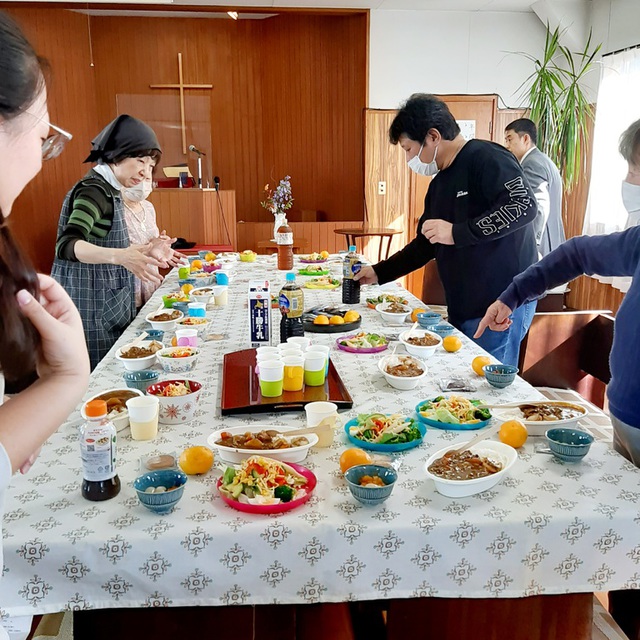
[(248, 257)]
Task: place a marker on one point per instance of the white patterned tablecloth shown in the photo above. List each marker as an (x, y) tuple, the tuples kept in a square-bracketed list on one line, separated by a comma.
[(548, 528)]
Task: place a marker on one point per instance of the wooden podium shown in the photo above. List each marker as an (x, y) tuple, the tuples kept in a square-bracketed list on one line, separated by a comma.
[(197, 215)]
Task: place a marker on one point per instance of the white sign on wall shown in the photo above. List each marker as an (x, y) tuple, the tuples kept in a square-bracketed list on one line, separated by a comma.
[(467, 128)]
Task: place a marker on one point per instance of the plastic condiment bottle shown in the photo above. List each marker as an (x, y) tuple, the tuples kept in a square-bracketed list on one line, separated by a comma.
[(98, 450), (351, 287), (284, 240), (291, 303)]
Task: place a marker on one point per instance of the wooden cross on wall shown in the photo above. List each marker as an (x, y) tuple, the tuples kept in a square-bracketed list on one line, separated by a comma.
[(181, 86)]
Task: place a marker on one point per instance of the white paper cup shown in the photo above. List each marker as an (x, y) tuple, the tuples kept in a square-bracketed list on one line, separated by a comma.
[(300, 340), (220, 295), (320, 348), (187, 337), (291, 353), (316, 413), (271, 370), (266, 358), (285, 346), (143, 417), (261, 352)]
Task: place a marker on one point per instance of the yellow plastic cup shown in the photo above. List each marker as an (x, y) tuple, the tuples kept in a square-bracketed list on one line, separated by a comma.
[(293, 373)]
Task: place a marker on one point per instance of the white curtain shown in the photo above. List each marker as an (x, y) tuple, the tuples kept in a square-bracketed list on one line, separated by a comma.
[(618, 105)]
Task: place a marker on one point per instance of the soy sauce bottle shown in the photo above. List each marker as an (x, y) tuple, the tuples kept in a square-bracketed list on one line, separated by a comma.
[(98, 450), (351, 287), (291, 303)]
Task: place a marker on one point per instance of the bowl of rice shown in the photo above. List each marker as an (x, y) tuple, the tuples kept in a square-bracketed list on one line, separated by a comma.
[(178, 400)]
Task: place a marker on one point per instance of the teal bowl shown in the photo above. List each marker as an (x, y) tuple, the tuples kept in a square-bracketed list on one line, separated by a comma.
[(428, 319), (443, 329), (500, 375), (569, 445), (140, 380), (171, 479), (371, 496)]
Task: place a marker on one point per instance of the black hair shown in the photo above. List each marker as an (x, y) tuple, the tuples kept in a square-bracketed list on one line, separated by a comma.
[(522, 126), (421, 112), (21, 81), (154, 154)]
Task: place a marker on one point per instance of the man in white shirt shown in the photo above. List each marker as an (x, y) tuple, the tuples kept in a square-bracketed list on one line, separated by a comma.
[(521, 137)]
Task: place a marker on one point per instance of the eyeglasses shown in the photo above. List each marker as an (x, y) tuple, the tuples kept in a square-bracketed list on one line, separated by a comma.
[(53, 145)]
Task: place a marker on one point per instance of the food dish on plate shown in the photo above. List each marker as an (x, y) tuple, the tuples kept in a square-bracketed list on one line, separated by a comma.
[(312, 258), (372, 303), (260, 441), (267, 485), (381, 432), (464, 465), (323, 282), (453, 412), (404, 367), (363, 343), (314, 270), (145, 350), (541, 415)]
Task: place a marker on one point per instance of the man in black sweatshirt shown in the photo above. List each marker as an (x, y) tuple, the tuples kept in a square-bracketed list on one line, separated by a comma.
[(477, 221)]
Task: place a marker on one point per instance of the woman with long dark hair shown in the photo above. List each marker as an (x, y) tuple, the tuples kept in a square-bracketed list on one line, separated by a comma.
[(40, 329)]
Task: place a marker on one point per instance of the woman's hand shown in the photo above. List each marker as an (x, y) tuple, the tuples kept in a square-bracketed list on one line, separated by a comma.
[(138, 260), (28, 463), (55, 317), (496, 318), (161, 250)]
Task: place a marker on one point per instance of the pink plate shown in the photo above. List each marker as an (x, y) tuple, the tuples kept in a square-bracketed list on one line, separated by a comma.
[(344, 347), (282, 507), (313, 261)]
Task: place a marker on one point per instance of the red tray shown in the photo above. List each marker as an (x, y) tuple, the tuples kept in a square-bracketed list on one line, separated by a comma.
[(241, 389)]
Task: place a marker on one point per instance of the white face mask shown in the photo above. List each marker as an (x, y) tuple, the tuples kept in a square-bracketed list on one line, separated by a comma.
[(424, 168), (631, 197), (138, 193)]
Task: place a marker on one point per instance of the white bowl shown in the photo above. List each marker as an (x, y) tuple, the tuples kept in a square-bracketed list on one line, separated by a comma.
[(231, 454), (392, 318), (120, 419), (461, 488), (539, 427), (401, 382), (203, 279), (415, 350), (163, 325), (177, 365), (137, 364), (202, 294), (176, 409), (201, 324)]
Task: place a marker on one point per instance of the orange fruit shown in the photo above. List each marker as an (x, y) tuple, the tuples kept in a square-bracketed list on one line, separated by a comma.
[(478, 363), (451, 344), (321, 320), (513, 433), (351, 316), (324, 254), (352, 457), (187, 288), (196, 265), (174, 341), (210, 256), (196, 460), (415, 312), (336, 320)]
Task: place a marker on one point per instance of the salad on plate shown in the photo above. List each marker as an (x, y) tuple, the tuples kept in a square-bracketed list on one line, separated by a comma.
[(378, 428), (385, 297), (454, 410), (364, 340), (323, 282)]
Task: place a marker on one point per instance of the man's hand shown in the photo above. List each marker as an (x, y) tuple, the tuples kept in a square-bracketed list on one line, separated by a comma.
[(496, 318), (438, 231), (366, 275)]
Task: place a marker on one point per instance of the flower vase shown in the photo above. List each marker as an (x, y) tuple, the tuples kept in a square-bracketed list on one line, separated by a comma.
[(280, 219)]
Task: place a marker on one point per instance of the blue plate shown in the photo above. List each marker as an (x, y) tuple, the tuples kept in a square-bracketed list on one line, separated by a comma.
[(384, 448), (447, 425)]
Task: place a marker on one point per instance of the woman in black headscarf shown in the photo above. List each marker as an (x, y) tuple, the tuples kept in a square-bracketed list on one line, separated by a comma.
[(95, 261)]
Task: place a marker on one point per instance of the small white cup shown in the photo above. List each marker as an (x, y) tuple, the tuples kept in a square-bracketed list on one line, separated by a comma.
[(143, 417), (271, 370), (264, 352), (283, 346), (316, 413), (221, 295), (300, 340), (320, 348), (187, 337)]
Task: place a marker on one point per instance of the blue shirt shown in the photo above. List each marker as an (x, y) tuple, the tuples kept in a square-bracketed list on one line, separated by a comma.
[(617, 254)]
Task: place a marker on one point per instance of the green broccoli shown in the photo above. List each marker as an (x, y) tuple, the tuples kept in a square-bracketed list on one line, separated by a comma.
[(284, 492)]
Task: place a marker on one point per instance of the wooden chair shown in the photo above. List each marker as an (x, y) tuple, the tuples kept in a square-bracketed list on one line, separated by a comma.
[(569, 350)]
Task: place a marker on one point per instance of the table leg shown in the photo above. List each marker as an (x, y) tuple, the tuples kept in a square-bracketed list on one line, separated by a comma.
[(389, 239)]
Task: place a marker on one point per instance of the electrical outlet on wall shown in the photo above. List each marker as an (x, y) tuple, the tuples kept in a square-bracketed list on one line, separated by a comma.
[(382, 188)]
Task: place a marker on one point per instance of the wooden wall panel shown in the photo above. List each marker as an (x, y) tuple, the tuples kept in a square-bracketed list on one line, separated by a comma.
[(60, 37)]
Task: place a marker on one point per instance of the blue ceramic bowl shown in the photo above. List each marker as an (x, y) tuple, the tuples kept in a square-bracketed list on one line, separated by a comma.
[(155, 334), (202, 254), (569, 445), (192, 281), (192, 258), (160, 502), (428, 319), (140, 380), (183, 307), (500, 375), (371, 495), (443, 329)]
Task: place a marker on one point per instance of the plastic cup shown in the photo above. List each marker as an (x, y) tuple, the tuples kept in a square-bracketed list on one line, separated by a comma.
[(314, 368), (222, 277), (320, 348), (291, 353), (263, 352), (197, 309), (316, 413), (187, 337), (221, 295), (184, 272), (271, 378), (293, 373), (143, 417), (300, 340)]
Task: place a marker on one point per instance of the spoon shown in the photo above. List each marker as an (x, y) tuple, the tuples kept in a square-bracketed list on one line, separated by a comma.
[(483, 435), (415, 325), (322, 427), (138, 341)]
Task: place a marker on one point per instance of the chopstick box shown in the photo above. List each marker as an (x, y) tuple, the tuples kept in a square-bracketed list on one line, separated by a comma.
[(259, 313)]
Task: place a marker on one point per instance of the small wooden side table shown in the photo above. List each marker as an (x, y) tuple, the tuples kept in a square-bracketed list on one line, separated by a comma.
[(352, 233)]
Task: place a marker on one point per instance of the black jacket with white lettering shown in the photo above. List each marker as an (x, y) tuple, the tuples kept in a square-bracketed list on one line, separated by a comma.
[(484, 194)]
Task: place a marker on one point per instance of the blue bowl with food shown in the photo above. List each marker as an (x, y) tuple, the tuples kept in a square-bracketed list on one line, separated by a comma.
[(183, 307), (371, 484), (443, 329), (428, 319), (569, 445), (155, 334), (140, 380), (367, 431), (500, 375), (167, 485)]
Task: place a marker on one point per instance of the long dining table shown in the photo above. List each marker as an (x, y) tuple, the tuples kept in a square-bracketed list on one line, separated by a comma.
[(548, 528)]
